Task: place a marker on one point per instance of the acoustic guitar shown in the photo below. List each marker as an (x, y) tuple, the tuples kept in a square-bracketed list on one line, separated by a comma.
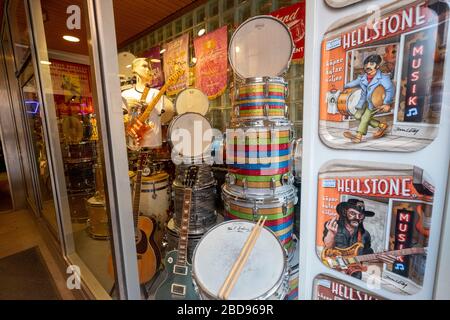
[(137, 128), (347, 259), (148, 255), (178, 283)]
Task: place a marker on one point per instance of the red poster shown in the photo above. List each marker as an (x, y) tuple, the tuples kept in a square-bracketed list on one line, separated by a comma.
[(294, 17), (211, 70)]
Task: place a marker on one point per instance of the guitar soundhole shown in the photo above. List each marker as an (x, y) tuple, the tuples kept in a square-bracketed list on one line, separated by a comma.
[(142, 244)]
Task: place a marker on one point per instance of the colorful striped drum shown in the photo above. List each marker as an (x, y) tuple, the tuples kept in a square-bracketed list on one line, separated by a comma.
[(279, 210), (260, 158), (261, 98)]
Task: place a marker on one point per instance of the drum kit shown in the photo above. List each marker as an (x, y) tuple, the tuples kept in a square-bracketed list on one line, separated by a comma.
[(258, 151)]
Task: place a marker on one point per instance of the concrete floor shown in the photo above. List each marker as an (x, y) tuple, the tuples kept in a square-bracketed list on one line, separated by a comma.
[(19, 231)]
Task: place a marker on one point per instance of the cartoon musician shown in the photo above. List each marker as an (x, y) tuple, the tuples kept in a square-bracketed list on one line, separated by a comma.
[(346, 236), (366, 108)]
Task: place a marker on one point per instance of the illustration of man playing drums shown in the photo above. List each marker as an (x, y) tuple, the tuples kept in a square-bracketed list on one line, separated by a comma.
[(367, 108)]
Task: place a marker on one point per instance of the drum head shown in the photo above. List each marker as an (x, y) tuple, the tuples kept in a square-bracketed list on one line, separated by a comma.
[(219, 248), (252, 55), (353, 100), (191, 135), (169, 111), (125, 61), (192, 100)]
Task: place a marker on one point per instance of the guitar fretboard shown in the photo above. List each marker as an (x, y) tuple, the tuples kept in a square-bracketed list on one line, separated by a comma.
[(395, 253), (183, 241)]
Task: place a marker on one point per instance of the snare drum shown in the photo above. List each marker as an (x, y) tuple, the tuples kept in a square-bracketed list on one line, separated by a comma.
[(261, 98), (348, 100), (278, 208), (191, 137), (260, 158), (98, 218), (172, 237), (264, 276), (192, 100), (155, 201)]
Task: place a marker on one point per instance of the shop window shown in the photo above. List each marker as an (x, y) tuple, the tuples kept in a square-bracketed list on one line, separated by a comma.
[(264, 6), (188, 21), (244, 12), (19, 32), (178, 26), (227, 4), (213, 8), (213, 24), (200, 15)]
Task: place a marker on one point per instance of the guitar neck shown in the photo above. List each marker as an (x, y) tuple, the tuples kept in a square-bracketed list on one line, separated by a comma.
[(183, 242), (395, 253), (148, 110), (137, 198)]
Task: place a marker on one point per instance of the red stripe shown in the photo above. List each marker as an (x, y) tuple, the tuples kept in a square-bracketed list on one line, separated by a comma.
[(270, 172), (260, 107), (261, 93), (269, 223)]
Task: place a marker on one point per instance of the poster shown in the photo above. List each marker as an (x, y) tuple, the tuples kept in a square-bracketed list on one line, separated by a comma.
[(211, 51), (176, 57), (373, 223), (294, 17), (329, 288), (71, 87), (382, 79), (154, 59)]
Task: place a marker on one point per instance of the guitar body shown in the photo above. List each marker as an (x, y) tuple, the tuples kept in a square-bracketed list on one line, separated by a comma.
[(333, 253), (176, 282), (148, 256)]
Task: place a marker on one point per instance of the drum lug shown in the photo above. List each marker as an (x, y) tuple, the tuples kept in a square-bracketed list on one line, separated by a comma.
[(255, 212), (236, 111), (285, 209), (266, 110), (285, 179), (154, 191), (266, 89), (286, 111), (273, 184), (245, 185)]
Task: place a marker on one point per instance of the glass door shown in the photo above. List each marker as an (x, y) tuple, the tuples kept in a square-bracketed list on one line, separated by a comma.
[(82, 165)]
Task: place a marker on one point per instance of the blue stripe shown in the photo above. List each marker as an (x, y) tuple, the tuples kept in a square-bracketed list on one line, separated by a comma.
[(282, 226), (260, 97), (285, 236), (260, 154), (257, 104), (278, 165)]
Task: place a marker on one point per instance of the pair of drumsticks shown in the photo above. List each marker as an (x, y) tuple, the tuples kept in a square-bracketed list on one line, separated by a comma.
[(238, 265)]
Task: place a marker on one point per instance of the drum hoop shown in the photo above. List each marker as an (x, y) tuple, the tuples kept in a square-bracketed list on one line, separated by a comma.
[(262, 122), (231, 47), (262, 80), (175, 185), (172, 123), (276, 286), (288, 195), (195, 89)]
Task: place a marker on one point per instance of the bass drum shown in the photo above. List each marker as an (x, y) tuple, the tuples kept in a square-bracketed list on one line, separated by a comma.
[(155, 201), (348, 100), (265, 275)]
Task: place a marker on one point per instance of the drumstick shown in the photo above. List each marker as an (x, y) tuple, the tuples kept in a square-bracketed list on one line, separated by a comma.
[(235, 265), (244, 259), (241, 260)]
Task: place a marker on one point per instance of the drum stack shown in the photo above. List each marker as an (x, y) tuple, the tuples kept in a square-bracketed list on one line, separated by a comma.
[(190, 136), (80, 155), (259, 139)]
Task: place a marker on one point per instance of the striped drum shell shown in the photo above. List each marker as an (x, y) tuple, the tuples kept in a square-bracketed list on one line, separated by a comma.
[(261, 98), (260, 158), (279, 210)]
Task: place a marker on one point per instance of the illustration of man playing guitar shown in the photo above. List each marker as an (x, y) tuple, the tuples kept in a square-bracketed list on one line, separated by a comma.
[(345, 235)]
